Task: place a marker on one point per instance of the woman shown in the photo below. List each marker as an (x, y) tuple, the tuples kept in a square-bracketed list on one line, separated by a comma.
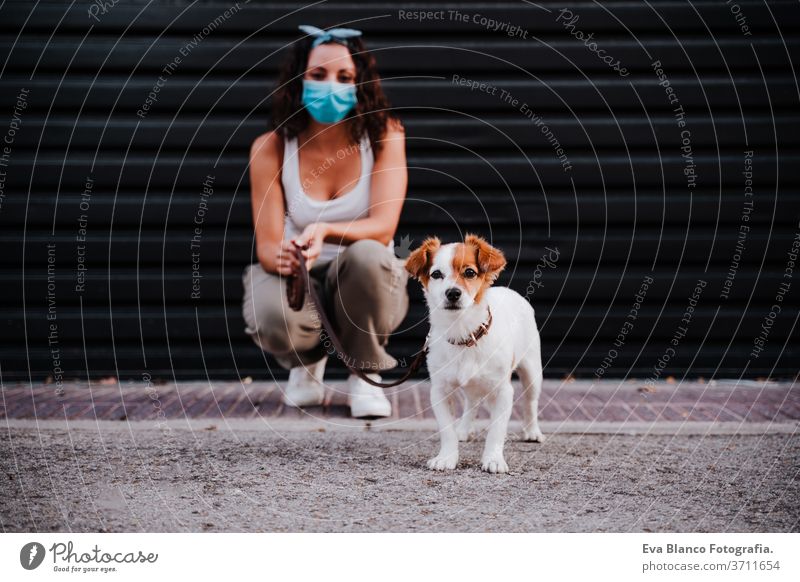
[(332, 174)]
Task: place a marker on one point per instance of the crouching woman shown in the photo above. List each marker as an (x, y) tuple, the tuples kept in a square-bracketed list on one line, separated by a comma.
[(331, 175)]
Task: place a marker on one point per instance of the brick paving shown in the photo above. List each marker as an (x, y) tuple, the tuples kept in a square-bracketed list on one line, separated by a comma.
[(562, 400)]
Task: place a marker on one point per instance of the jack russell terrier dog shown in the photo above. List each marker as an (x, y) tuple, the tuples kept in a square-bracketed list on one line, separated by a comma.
[(479, 335)]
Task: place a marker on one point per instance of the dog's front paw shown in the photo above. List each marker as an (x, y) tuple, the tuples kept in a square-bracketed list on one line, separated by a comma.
[(494, 465), (533, 436), (443, 462)]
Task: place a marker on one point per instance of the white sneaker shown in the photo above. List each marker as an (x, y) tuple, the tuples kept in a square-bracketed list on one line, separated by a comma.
[(367, 400), (305, 387)]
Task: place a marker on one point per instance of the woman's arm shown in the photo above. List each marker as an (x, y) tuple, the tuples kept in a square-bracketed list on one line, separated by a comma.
[(268, 205), (387, 194)]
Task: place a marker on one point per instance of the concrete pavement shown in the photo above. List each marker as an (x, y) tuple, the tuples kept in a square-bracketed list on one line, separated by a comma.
[(252, 475), (605, 466)]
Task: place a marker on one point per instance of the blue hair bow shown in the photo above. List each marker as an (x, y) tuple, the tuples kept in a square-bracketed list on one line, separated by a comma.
[(339, 35)]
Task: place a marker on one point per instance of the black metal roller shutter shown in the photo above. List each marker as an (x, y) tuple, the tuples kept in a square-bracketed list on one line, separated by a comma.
[(595, 172)]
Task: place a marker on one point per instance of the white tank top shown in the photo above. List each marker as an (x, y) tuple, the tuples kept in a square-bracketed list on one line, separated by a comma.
[(301, 210)]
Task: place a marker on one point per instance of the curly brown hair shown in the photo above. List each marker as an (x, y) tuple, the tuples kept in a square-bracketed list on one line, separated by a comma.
[(370, 115)]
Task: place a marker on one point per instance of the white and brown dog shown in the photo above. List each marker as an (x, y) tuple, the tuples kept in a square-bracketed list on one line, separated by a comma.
[(479, 335)]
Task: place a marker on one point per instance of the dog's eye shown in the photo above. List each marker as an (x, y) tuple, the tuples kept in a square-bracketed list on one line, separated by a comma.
[(437, 274), (470, 274)]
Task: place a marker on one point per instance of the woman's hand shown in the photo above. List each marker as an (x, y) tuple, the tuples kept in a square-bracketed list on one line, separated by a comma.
[(313, 236), (286, 261)]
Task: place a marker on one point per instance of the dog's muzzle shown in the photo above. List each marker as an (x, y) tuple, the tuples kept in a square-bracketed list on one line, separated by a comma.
[(453, 296)]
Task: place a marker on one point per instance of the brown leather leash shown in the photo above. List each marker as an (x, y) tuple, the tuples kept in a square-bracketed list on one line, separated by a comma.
[(296, 292)]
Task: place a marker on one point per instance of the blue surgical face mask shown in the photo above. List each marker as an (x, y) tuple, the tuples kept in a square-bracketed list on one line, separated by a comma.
[(328, 102)]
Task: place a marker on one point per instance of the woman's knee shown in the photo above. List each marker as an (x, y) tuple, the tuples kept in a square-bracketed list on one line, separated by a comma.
[(366, 260), (268, 328), (372, 286), (268, 319)]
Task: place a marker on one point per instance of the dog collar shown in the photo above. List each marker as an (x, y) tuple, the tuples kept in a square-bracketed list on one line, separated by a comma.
[(474, 336)]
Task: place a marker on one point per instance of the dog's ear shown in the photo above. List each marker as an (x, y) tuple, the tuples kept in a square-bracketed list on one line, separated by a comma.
[(418, 263), (490, 260)]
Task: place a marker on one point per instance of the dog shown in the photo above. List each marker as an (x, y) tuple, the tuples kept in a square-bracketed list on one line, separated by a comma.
[(479, 335)]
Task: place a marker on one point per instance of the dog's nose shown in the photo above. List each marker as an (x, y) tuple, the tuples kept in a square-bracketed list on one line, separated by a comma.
[(453, 294)]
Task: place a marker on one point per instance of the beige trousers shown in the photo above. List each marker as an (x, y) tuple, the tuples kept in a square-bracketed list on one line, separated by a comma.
[(364, 288)]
